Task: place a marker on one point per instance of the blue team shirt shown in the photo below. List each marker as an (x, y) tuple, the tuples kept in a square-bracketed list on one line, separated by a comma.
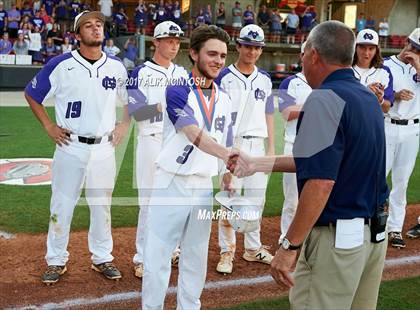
[(355, 158), (3, 15)]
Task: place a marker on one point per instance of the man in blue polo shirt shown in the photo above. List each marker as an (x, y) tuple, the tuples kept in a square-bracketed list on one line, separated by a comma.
[(339, 158)]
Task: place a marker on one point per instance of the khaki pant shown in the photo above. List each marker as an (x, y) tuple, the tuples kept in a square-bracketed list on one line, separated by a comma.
[(329, 278)]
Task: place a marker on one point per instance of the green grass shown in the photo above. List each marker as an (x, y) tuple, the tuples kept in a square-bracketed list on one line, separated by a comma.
[(26, 208), (399, 294)]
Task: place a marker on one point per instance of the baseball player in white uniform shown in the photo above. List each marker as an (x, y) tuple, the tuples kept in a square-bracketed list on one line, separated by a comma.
[(252, 114), (146, 90), (368, 68), (402, 131), (87, 85), (293, 92), (196, 128)]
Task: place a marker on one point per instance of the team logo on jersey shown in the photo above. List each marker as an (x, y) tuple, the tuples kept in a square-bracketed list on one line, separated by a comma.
[(109, 82), (416, 78), (259, 94), (219, 123), (368, 36), (25, 171), (34, 82)]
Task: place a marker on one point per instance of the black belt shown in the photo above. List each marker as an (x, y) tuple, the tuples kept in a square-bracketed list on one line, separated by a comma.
[(334, 223), (91, 140), (404, 121), (250, 137)]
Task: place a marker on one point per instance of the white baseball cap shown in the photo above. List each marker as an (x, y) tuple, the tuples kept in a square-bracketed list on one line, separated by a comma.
[(251, 35), (414, 38), (167, 29), (367, 36), (81, 19)]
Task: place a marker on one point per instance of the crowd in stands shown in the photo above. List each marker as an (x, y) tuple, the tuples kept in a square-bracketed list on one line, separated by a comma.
[(369, 22)]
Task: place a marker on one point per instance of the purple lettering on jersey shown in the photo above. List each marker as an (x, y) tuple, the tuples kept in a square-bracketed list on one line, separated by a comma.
[(108, 82), (259, 94), (219, 123)]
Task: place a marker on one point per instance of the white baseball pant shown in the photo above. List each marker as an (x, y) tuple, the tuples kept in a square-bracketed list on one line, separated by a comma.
[(402, 145), (72, 166), (174, 209), (148, 148), (291, 196), (254, 188)]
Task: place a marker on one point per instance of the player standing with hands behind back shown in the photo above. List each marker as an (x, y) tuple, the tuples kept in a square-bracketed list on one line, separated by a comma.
[(402, 131), (253, 121), (86, 84)]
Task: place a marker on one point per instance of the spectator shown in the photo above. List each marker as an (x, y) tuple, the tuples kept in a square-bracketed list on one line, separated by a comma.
[(38, 21), (106, 8), (140, 17), (275, 26), (131, 52), (207, 15), (21, 47), (168, 7), (5, 44), (61, 14), (249, 16), (383, 32), (370, 23), (110, 49), (176, 14), (13, 19), (56, 35), (26, 29), (75, 7), (263, 18), (292, 25), (200, 18), (49, 50), (3, 19), (161, 14), (120, 20), (49, 6), (308, 19), (236, 18), (27, 10), (35, 46), (36, 5), (360, 22), (66, 47), (221, 15), (25, 20)]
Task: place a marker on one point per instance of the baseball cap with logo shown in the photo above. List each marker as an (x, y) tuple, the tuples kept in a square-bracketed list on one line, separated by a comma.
[(414, 38), (367, 36), (82, 18), (167, 29), (251, 35)]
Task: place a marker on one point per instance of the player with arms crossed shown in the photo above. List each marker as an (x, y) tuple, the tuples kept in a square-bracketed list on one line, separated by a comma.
[(196, 128), (293, 92), (368, 68), (146, 91), (253, 121), (86, 84), (402, 129)]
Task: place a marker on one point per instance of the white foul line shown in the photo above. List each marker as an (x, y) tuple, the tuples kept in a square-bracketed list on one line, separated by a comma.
[(133, 295)]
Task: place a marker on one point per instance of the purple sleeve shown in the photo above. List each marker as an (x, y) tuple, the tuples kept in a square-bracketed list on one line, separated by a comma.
[(229, 138), (40, 85), (389, 91), (136, 98), (179, 112), (285, 100), (222, 73), (269, 105)]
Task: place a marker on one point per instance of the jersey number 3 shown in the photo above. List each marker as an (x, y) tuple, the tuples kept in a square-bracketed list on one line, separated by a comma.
[(184, 157), (74, 109)]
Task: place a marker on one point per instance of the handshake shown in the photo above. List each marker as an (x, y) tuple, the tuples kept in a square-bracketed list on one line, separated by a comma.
[(240, 164)]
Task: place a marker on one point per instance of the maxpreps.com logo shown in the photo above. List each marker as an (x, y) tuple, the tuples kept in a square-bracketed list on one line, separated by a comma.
[(108, 82), (25, 171)]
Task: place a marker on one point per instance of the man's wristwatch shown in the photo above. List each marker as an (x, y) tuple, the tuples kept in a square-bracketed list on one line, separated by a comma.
[(286, 245)]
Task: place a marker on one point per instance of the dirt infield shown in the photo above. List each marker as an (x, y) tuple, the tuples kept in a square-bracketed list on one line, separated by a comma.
[(22, 261)]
